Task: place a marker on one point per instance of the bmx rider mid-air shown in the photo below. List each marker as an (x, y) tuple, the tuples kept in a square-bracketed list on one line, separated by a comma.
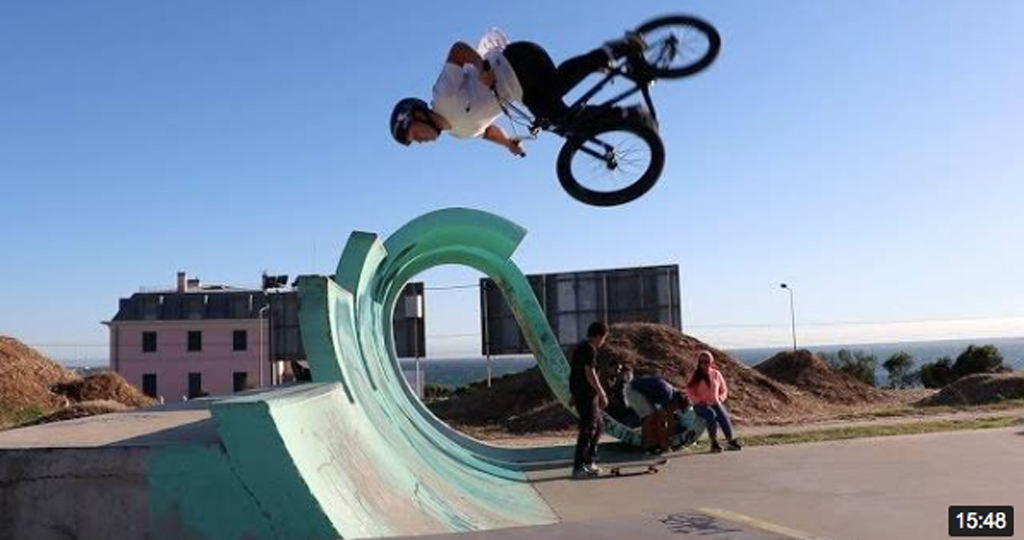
[(612, 152), (466, 95)]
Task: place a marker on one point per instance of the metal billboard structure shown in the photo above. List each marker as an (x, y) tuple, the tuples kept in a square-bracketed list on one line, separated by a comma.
[(409, 324), (573, 300)]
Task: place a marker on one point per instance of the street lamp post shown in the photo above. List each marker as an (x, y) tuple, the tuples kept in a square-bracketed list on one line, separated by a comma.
[(262, 347), (792, 312)]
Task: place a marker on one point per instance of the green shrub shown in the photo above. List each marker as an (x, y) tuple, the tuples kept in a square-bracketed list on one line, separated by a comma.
[(860, 365), (975, 359), (938, 373), (899, 367)]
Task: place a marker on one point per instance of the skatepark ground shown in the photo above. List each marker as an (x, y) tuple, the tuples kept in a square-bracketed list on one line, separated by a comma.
[(861, 489), (808, 431), (865, 489)]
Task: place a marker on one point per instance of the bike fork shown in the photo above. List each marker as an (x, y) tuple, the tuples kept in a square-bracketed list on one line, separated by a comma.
[(646, 91), (607, 156)]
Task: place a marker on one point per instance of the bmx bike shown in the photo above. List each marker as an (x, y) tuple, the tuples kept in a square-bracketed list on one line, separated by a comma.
[(613, 154)]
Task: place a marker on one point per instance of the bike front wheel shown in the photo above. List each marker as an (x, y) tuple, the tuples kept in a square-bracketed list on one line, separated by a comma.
[(679, 45), (611, 164)]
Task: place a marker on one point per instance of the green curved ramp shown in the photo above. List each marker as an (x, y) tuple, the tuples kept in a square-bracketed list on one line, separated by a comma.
[(375, 273), (356, 454)]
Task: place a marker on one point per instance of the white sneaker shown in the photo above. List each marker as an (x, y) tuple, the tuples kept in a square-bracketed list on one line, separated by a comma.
[(593, 469)]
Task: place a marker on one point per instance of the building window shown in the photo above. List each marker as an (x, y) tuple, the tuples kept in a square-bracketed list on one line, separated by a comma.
[(241, 381), (240, 340), (149, 384), (195, 340), (195, 385), (149, 342)]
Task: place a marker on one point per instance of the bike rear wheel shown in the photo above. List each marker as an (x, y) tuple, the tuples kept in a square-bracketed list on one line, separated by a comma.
[(679, 45), (609, 164)]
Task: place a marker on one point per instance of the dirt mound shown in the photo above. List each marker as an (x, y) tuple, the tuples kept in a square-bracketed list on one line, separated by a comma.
[(810, 373), (522, 402), (81, 410), (980, 389), (656, 349), (106, 386), (32, 385), (26, 378)]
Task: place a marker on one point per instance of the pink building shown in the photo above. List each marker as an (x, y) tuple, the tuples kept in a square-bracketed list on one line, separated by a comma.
[(194, 340)]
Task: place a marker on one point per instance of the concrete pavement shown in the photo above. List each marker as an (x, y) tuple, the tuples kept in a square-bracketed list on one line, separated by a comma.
[(863, 489), (705, 525)]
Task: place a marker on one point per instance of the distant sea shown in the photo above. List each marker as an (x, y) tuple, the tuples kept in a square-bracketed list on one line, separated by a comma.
[(455, 372), (922, 351)]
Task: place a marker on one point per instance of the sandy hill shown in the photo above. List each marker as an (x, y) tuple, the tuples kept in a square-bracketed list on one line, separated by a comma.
[(106, 386), (32, 385), (812, 374), (655, 349), (519, 402), (26, 378), (979, 389), (522, 403)]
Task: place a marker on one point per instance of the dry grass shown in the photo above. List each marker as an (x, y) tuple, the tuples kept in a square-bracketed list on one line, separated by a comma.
[(107, 386), (34, 388), (81, 410), (26, 379), (885, 430)]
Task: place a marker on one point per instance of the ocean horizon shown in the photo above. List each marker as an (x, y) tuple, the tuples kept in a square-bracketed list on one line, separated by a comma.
[(461, 371)]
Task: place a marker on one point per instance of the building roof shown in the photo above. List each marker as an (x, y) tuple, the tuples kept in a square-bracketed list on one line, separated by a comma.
[(198, 289), (198, 303)]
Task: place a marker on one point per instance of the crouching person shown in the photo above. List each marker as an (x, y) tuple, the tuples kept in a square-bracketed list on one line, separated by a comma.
[(655, 401)]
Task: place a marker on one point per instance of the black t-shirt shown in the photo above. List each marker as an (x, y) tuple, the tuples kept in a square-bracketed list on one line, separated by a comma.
[(584, 356)]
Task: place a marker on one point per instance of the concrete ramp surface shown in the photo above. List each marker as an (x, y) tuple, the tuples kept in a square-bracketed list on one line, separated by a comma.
[(355, 454)]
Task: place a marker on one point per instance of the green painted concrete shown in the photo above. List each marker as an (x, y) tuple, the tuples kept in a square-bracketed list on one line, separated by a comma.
[(193, 493), (376, 272), (356, 454)]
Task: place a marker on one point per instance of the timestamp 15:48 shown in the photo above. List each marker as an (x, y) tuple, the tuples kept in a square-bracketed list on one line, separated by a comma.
[(981, 521)]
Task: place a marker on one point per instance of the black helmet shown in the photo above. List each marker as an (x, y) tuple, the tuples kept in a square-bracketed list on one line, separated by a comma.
[(404, 114)]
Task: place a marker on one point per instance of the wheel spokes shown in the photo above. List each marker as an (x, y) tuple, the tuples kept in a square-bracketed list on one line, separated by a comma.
[(676, 47), (611, 161)]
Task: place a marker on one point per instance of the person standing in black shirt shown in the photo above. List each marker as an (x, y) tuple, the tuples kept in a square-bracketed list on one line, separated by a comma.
[(588, 396)]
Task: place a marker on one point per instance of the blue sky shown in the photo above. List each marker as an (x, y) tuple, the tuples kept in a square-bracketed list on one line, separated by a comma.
[(867, 152)]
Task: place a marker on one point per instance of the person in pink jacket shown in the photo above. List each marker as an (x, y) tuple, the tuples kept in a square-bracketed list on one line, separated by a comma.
[(707, 392)]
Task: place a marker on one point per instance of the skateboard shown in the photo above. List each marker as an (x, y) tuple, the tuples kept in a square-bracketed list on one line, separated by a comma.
[(646, 466)]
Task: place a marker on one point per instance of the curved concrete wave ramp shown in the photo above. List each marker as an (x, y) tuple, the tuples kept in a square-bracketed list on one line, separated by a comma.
[(355, 454)]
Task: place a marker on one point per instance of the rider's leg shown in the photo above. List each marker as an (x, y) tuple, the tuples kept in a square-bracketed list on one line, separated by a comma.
[(536, 72), (574, 70)]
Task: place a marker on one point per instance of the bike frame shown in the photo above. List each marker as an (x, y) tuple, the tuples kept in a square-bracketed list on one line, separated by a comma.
[(634, 73), (641, 84)]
